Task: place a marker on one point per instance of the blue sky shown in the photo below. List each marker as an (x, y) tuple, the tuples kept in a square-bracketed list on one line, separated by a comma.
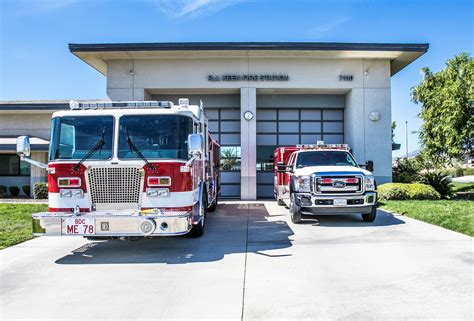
[(35, 62)]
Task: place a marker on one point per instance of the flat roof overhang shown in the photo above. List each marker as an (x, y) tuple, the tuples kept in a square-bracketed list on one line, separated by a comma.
[(400, 55), (8, 144)]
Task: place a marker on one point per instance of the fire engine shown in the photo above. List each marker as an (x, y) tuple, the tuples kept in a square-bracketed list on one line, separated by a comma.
[(128, 169), (323, 179)]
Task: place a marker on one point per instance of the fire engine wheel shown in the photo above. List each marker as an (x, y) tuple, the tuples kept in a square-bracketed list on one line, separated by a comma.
[(198, 229), (370, 217), (295, 210)]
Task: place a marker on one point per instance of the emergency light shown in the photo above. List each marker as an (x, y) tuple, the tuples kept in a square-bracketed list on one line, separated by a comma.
[(74, 105), (321, 145)]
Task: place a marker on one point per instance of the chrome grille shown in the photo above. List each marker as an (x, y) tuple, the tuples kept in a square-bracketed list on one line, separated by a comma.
[(112, 185), (319, 188)]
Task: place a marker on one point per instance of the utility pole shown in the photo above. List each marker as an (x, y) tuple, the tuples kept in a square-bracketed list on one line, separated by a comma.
[(406, 138)]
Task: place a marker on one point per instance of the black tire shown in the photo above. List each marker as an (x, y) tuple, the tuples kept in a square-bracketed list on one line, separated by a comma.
[(370, 217), (213, 206), (295, 210), (280, 202), (198, 229)]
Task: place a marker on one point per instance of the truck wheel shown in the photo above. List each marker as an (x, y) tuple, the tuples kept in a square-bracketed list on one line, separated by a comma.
[(295, 210), (198, 229), (213, 206), (370, 217)]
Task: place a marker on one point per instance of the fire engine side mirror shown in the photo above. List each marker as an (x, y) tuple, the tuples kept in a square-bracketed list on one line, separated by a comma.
[(195, 144), (23, 148)]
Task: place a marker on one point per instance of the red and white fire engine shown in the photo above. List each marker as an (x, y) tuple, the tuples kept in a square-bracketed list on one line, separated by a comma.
[(127, 169), (323, 179)]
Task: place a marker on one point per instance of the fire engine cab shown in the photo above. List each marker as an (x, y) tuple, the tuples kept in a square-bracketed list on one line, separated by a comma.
[(323, 179), (127, 169)]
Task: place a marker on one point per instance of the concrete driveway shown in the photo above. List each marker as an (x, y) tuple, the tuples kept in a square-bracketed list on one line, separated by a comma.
[(252, 263)]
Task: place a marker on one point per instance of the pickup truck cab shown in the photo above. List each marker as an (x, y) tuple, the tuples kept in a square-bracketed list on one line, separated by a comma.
[(324, 180)]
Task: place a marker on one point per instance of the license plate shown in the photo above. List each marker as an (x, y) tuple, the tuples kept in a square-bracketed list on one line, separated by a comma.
[(340, 202), (79, 226)]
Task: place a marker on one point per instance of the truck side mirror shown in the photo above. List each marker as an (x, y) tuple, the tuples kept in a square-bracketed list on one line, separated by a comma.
[(195, 144), (281, 167), (23, 148), (370, 166)]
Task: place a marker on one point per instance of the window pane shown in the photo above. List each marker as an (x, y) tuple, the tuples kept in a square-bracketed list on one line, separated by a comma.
[(265, 158), (74, 136), (9, 165), (25, 168), (155, 136), (230, 158)]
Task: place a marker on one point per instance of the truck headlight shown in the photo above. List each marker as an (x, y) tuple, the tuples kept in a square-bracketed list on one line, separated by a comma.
[(302, 184), (369, 183), (71, 193)]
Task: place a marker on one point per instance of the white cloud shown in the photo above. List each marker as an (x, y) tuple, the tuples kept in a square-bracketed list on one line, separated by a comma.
[(324, 28), (194, 8)]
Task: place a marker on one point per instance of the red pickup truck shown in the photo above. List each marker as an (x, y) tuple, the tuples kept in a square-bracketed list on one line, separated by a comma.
[(324, 179)]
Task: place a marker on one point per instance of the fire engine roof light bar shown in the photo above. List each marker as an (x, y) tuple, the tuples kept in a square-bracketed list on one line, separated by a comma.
[(74, 105)]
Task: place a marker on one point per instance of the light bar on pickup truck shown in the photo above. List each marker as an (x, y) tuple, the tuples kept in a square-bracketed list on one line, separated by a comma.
[(324, 146), (74, 105)]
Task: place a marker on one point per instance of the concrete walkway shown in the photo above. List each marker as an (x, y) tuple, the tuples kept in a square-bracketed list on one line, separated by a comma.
[(252, 263), (464, 179)]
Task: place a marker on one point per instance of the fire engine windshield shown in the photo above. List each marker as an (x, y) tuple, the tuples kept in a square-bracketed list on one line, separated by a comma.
[(324, 158), (73, 137), (155, 136)]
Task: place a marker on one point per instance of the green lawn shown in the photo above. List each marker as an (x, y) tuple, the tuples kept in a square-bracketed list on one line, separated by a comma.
[(463, 187), (451, 214), (15, 222)]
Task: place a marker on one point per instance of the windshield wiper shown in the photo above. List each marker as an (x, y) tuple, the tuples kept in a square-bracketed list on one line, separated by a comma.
[(134, 148), (97, 147)]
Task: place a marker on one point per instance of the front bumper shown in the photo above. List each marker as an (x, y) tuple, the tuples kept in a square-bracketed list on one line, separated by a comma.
[(324, 204), (111, 224)]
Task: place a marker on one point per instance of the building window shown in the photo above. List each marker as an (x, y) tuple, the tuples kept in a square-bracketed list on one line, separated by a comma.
[(230, 158), (265, 158), (10, 165)]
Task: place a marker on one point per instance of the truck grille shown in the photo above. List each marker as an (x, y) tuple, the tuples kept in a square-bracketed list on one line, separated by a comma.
[(337, 184), (112, 185)]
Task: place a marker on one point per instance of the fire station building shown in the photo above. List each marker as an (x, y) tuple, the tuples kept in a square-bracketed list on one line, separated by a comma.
[(256, 95)]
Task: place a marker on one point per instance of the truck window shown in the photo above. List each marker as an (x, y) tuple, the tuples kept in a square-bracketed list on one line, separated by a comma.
[(325, 158), (73, 136), (156, 136)]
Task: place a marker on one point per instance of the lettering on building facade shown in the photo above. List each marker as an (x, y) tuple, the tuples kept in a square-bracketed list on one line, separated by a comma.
[(248, 77)]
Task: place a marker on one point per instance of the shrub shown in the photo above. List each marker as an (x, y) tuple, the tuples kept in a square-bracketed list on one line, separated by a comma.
[(14, 190), (400, 191), (26, 189), (405, 170), (441, 182), (3, 191), (40, 190)]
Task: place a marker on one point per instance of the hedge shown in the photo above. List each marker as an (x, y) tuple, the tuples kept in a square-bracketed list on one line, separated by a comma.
[(40, 190), (400, 191)]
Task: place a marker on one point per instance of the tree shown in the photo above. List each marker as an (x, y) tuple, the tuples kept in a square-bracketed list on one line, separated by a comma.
[(446, 97)]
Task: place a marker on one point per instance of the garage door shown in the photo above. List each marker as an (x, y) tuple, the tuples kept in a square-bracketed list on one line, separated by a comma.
[(281, 126), (223, 113)]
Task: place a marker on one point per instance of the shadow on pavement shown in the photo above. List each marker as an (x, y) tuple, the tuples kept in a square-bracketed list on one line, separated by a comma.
[(230, 230), (383, 219)]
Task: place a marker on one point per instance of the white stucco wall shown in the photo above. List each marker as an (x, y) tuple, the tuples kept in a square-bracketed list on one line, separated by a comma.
[(134, 79)]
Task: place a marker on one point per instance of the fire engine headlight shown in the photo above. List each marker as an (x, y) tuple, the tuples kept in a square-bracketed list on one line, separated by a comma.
[(302, 184), (157, 192), (71, 193), (369, 183)]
